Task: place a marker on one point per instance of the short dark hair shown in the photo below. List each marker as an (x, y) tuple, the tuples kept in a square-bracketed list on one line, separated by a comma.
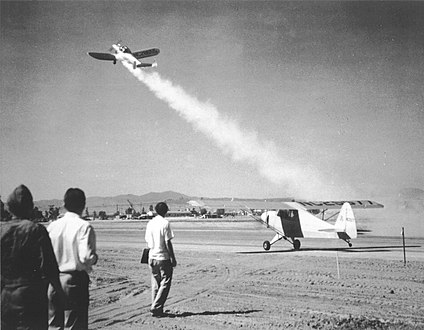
[(161, 208), (74, 200)]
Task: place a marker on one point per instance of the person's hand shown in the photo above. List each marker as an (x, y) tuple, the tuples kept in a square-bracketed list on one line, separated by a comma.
[(95, 258), (60, 298), (174, 263)]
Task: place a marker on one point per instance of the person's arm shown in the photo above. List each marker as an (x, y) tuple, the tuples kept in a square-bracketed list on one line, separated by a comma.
[(87, 248), (170, 249), (49, 265), (148, 237)]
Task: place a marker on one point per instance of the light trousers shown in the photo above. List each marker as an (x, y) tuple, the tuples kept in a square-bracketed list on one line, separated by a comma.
[(161, 282)]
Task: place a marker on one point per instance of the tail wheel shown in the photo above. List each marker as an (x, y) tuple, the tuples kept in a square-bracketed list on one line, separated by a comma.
[(266, 245), (296, 244)]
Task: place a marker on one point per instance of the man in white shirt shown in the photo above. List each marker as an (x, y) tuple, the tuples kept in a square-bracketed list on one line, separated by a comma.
[(161, 258), (74, 244)]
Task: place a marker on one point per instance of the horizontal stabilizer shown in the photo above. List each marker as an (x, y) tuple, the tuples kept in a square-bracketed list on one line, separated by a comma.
[(144, 65)]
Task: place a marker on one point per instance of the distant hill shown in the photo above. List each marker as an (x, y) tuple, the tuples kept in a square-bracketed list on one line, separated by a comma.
[(164, 196), (406, 200), (99, 203), (44, 204)]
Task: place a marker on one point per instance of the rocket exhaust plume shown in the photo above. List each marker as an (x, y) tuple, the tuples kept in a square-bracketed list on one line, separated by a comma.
[(241, 145)]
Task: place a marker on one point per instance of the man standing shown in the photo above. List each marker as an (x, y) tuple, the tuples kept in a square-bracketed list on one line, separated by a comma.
[(161, 258), (28, 264), (74, 244)]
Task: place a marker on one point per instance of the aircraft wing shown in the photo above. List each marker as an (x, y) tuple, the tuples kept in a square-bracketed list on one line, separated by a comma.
[(146, 53), (283, 205), (355, 204), (239, 204), (103, 56)]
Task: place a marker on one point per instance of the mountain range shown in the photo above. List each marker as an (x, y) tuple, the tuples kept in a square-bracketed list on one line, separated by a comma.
[(409, 198), (98, 203)]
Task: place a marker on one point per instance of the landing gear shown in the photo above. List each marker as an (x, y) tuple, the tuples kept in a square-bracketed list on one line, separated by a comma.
[(295, 242), (348, 242), (267, 245)]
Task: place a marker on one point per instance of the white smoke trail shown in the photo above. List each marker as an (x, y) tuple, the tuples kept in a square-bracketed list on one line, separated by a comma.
[(227, 134)]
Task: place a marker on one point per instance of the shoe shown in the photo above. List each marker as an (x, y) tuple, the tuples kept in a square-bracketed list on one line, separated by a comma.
[(157, 312)]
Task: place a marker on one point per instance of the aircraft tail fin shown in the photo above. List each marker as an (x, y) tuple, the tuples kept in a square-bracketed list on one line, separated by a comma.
[(346, 223)]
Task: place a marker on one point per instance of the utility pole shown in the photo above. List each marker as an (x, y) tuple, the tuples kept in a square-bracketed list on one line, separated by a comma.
[(403, 240)]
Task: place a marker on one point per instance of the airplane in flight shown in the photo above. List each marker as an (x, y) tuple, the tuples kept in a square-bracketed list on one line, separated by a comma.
[(123, 53), (291, 220)]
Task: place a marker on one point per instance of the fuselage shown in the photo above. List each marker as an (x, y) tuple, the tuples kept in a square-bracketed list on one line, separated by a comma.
[(123, 53)]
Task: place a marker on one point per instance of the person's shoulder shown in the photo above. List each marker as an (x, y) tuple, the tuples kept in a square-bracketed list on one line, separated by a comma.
[(156, 219), (75, 219), (165, 224), (29, 225), (59, 222), (161, 220), (26, 223), (85, 224), (33, 227), (41, 228)]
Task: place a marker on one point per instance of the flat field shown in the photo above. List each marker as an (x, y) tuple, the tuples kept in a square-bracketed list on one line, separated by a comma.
[(225, 280)]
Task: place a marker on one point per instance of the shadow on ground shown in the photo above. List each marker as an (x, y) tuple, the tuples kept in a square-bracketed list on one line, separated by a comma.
[(388, 248), (209, 313)]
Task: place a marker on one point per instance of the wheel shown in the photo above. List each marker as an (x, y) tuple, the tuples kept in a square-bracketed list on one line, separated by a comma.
[(266, 245), (296, 244)]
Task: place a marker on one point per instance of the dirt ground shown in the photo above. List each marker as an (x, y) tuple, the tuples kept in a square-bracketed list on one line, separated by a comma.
[(225, 280)]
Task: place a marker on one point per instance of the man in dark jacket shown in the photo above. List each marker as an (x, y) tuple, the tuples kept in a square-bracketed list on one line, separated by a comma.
[(28, 265)]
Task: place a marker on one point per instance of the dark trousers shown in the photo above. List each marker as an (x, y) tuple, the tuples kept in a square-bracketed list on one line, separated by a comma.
[(24, 306), (75, 314), (161, 283)]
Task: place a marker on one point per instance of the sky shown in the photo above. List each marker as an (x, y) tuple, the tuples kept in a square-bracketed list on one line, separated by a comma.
[(253, 99)]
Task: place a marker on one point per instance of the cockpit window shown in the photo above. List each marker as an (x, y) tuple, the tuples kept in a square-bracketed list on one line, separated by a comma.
[(125, 49)]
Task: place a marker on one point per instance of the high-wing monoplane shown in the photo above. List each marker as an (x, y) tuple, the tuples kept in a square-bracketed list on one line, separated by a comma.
[(123, 53), (294, 219)]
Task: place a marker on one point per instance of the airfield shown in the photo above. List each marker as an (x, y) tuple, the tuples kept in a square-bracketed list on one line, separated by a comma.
[(225, 280)]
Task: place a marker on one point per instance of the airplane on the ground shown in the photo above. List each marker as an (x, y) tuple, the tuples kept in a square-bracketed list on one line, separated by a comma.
[(291, 220), (123, 53)]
